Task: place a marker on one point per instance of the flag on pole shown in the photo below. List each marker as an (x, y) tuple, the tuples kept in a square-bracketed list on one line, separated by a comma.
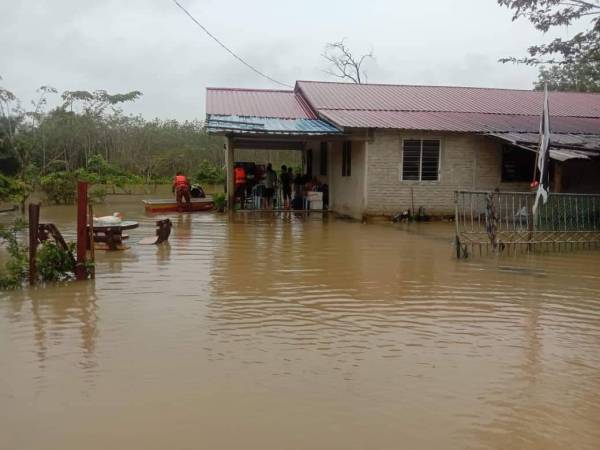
[(543, 158)]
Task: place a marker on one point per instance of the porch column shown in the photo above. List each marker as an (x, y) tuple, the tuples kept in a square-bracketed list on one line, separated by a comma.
[(229, 172)]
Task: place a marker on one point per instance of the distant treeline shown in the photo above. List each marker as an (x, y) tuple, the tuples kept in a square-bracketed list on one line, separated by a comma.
[(88, 136), (88, 124)]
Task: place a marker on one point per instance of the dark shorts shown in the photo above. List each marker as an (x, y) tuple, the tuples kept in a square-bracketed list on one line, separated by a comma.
[(287, 191), (269, 192), (182, 192)]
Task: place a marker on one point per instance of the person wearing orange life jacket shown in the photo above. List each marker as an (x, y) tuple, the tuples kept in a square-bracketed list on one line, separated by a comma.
[(239, 177), (181, 187)]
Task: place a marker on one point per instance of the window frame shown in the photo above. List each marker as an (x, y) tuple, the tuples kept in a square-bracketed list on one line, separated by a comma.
[(439, 164), (347, 159), (523, 155)]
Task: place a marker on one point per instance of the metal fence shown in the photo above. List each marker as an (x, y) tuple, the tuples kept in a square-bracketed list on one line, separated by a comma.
[(504, 222)]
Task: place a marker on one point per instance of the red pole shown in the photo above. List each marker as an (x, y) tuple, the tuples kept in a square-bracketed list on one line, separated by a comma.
[(82, 207)]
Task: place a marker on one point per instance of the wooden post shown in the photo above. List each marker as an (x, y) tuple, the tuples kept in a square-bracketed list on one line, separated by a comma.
[(91, 240), (557, 182), (82, 237), (229, 160), (34, 220)]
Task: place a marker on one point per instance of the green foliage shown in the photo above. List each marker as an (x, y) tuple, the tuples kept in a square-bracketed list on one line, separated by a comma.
[(88, 133), (209, 173), (15, 269), (13, 189), (60, 187), (55, 263), (548, 14), (219, 200), (581, 77)]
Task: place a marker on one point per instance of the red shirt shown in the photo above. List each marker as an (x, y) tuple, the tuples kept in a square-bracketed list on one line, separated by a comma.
[(239, 175), (181, 180)]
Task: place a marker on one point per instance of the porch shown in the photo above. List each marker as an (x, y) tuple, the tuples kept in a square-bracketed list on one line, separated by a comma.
[(319, 153)]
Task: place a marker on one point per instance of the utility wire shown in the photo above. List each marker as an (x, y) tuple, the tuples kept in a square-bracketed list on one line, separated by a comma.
[(240, 59)]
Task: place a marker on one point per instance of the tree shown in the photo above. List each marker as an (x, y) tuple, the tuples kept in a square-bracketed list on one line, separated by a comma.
[(344, 64), (583, 48), (582, 77)]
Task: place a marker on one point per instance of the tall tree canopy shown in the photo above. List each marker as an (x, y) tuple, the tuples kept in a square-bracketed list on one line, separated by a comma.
[(582, 77), (547, 14)]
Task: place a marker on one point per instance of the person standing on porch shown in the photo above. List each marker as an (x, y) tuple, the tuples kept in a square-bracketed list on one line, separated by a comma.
[(270, 180), (286, 186), (181, 188), (239, 177)]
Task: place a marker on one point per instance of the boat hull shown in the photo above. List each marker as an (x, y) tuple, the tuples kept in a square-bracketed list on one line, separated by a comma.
[(164, 206)]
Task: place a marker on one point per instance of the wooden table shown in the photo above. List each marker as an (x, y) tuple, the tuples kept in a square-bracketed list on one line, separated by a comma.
[(111, 235)]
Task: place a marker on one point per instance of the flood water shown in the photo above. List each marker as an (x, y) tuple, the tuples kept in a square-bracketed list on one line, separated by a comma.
[(300, 333)]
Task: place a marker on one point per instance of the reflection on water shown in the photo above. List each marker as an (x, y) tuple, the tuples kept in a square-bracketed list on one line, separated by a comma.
[(298, 332)]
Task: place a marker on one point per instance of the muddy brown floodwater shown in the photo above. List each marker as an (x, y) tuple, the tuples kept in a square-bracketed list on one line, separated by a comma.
[(291, 333)]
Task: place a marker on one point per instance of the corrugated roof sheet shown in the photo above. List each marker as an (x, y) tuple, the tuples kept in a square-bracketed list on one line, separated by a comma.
[(449, 109), (562, 146), (256, 102), (221, 124), (457, 122), (379, 97)]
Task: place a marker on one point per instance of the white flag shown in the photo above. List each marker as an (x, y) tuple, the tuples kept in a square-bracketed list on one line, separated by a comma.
[(543, 159)]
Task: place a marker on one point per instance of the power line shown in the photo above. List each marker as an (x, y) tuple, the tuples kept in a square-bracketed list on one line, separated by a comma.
[(240, 59)]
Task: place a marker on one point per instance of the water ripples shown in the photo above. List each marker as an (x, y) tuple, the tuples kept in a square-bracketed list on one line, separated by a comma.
[(332, 307)]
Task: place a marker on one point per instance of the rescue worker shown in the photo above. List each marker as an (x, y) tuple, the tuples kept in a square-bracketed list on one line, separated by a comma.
[(181, 187), (239, 176)]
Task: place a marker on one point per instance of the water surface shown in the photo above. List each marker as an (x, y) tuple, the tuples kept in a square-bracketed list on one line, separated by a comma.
[(300, 333)]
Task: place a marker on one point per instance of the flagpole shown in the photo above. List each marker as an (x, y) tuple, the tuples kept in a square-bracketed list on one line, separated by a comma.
[(543, 157), (537, 154)]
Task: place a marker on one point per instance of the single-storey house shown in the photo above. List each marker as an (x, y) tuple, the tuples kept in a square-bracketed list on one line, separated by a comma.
[(383, 149)]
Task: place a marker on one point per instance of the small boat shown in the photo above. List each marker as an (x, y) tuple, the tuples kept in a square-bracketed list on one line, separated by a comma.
[(170, 205)]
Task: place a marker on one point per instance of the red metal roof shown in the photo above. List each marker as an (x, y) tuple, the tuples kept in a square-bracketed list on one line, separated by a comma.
[(457, 122), (380, 97), (436, 108), (257, 103)]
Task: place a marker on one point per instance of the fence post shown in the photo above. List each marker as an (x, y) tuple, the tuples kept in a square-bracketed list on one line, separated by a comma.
[(34, 220), (82, 236), (456, 225)]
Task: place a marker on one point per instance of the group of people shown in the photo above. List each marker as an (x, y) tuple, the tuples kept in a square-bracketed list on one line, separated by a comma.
[(292, 186)]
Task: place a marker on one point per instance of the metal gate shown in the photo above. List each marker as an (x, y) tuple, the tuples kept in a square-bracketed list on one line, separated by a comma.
[(497, 222)]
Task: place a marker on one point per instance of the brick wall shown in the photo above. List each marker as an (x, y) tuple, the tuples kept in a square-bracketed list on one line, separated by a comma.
[(466, 162)]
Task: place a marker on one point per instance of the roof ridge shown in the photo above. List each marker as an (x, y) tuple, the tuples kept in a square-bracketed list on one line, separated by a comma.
[(248, 90), (444, 86), (451, 112)]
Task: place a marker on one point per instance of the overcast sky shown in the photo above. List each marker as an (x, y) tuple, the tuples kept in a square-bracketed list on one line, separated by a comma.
[(151, 46)]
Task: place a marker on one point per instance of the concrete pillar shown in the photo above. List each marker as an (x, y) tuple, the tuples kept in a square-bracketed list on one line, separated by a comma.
[(229, 161)]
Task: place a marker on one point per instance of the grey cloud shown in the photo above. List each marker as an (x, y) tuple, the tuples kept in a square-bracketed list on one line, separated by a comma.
[(151, 46)]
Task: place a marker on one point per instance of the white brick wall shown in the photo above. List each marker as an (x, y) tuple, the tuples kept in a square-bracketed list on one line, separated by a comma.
[(467, 162)]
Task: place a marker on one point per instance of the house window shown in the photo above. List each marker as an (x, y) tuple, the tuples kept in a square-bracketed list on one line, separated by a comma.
[(323, 159), (309, 162), (421, 160), (517, 164)]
